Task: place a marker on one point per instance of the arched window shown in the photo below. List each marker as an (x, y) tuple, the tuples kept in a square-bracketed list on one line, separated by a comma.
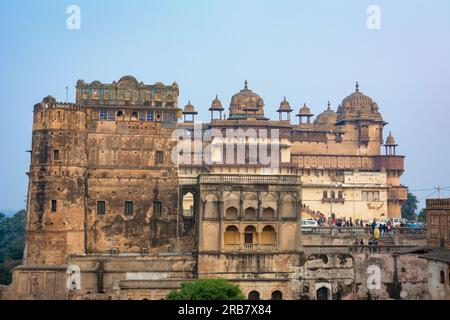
[(277, 295), (325, 194), (231, 213), (250, 213), (134, 116), (322, 293), (333, 195), (231, 235), (268, 213), (442, 277), (268, 235), (254, 295), (188, 205), (250, 235), (120, 114)]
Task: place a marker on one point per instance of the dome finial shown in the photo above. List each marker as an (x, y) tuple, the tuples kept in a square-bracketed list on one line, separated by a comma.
[(357, 86), (246, 85), (329, 105)]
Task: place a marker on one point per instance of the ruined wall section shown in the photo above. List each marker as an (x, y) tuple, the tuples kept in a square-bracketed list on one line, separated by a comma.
[(56, 208), (130, 162)]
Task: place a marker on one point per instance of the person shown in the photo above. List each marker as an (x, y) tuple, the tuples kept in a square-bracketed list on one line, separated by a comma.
[(351, 222), (370, 244), (373, 225), (377, 233), (389, 227)]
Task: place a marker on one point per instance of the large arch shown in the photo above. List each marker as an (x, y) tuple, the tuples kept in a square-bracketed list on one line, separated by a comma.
[(268, 213), (250, 213), (250, 205), (231, 213), (250, 235), (231, 204), (231, 235), (268, 235)]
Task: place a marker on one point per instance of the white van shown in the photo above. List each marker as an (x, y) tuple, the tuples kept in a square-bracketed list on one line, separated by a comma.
[(396, 222), (309, 223)]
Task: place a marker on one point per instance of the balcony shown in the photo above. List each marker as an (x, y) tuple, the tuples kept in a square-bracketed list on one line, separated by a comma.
[(333, 200), (249, 247), (249, 179), (389, 162)]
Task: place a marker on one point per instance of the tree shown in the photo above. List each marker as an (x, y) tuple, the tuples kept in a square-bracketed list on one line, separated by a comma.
[(207, 289), (409, 207), (422, 216), (12, 243)]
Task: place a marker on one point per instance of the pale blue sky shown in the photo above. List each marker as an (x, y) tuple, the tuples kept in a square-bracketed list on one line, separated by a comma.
[(310, 51)]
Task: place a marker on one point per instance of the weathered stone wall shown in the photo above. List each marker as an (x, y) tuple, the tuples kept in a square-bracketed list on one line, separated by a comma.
[(123, 167)]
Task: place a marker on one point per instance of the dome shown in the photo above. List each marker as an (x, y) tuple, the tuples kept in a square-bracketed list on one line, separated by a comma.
[(284, 106), (246, 100), (216, 104), (127, 82), (304, 111), (49, 99), (189, 109), (390, 141), (327, 117), (358, 105)]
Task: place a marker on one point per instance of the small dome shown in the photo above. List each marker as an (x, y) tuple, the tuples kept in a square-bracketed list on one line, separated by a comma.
[(284, 106), (390, 141), (189, 109), (244, 100), (49, 99), (358, 104), (327, 117), (304, 111), (216, 104)]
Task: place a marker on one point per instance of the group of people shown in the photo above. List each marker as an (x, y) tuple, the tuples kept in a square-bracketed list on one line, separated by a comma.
[(374, 244), (381, 228)]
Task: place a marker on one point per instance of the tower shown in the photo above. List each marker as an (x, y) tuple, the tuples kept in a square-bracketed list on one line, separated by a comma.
[(56, 207)]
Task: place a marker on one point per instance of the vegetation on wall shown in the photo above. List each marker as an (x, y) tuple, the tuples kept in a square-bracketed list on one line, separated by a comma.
[(207, 289), (12, 243)]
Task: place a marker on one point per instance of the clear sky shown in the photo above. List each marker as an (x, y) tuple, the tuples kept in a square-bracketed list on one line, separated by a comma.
[(308, 51)]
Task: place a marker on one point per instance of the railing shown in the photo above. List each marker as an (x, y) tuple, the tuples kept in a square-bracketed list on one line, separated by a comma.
[(247, 247), (351, 249), (438, 203), (188, 181), (253, 179), (361, 231)]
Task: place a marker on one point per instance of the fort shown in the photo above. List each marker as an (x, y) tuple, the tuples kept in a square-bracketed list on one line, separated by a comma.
[(112, 214)]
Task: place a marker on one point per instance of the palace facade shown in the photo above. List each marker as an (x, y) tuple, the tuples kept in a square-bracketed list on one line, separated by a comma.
[(139, 200)]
